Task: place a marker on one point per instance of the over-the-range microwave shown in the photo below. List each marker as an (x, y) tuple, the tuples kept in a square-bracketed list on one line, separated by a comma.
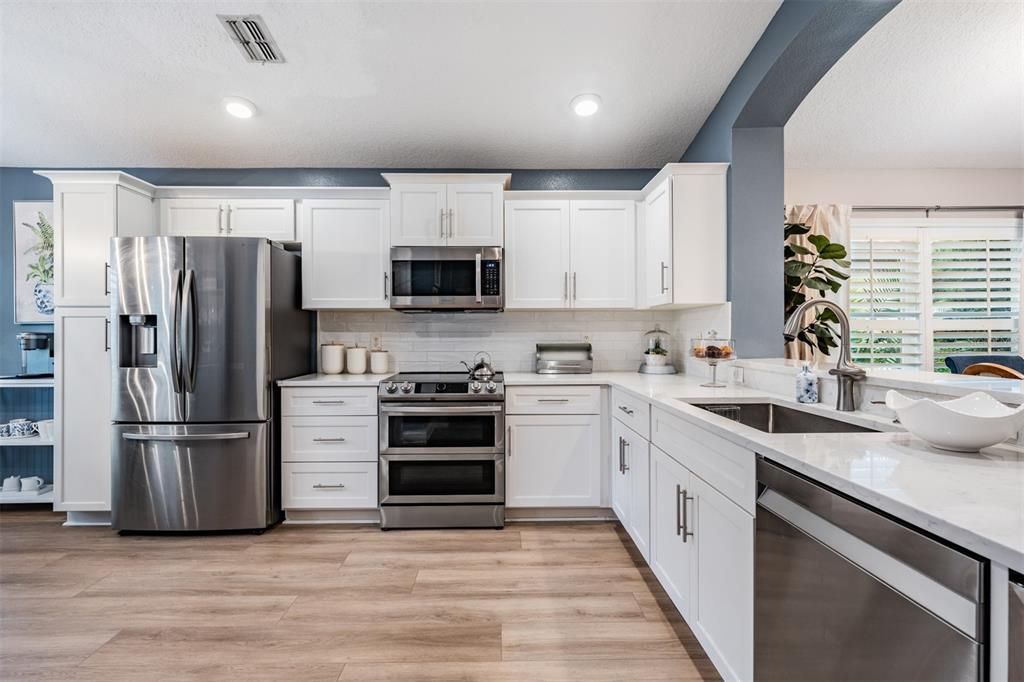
[(446, 278)]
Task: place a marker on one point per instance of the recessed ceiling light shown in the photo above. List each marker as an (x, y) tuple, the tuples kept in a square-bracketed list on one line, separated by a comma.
[(586, 105), (239, 107)]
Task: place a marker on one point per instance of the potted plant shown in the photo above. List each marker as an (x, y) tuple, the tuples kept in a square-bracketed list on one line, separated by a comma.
[(814, 270), (656, 355), (42, 269)]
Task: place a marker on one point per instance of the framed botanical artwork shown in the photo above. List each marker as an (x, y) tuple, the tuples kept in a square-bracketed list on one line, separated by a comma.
[(33, 262)]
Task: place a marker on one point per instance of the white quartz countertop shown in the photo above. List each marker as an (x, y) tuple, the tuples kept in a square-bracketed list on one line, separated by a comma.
[(311, 380), (975, 501)]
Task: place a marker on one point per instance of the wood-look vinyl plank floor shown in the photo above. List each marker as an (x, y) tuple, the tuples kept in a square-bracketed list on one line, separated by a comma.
[(538, 602)]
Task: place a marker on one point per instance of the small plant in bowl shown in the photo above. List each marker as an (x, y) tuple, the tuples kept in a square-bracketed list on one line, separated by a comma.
[(656, 355)]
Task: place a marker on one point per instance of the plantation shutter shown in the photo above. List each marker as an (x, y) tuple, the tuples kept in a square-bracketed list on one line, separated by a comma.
[(885, 298), (975, 295)]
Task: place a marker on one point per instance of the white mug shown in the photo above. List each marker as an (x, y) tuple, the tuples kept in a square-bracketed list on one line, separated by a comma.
[(31, 483), (12, 484)]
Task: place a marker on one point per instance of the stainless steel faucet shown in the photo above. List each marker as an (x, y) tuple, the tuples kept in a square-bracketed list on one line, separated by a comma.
[(845, 372)]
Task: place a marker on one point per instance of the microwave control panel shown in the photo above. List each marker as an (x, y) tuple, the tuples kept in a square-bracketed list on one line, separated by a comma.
[(490, 278)]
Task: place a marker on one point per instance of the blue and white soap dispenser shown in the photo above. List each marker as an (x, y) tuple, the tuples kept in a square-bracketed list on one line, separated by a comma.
[(807, 385)]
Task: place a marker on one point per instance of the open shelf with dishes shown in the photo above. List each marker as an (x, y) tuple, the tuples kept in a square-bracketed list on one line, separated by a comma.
[(26, 409)]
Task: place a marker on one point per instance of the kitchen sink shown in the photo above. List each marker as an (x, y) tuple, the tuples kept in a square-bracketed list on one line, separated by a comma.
[(772, 418)]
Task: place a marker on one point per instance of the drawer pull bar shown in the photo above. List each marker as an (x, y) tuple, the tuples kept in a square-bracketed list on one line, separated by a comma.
[(328, 402), (321, 486), (339, 439), (626, 410), (552, 400)]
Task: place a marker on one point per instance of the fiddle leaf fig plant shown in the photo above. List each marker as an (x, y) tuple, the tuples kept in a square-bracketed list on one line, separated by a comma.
[(818, 270)]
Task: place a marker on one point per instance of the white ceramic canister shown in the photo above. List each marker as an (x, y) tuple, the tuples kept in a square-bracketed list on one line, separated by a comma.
[(332, 358), (379, 362), (355, 360)]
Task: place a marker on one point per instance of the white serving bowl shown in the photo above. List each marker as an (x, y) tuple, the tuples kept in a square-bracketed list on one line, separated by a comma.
[(966, 424)]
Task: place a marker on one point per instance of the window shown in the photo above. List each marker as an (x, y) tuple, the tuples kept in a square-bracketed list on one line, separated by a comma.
[(921, 289)]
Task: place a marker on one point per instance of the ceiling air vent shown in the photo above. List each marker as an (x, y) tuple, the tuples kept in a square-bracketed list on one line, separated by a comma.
[(250, 33)]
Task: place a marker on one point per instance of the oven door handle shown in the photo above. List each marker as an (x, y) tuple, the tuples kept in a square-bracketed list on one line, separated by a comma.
[(441, 409)]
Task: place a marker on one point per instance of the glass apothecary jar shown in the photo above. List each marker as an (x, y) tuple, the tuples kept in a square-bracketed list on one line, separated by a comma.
[(656, 347)]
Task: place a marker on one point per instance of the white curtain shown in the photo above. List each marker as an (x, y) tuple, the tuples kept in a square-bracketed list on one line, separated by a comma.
[(832, 221)]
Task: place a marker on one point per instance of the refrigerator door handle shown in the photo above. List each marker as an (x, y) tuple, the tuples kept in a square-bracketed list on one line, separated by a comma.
[(189, 314), (238, 435), (176, 332)]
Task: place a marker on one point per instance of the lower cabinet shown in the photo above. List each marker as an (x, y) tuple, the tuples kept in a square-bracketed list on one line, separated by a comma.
[(553, 460), (631, 484), (671, 544), (81, 462), (329, 446)]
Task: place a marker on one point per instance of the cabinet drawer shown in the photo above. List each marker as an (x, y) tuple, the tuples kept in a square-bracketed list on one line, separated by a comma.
[(633, 412), (553, 400), (329, 439), (729, 468), (329, 401), (329, 485)]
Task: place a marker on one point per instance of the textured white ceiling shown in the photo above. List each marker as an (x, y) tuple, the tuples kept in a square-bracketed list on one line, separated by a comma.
[(388, 84), (935, 84)]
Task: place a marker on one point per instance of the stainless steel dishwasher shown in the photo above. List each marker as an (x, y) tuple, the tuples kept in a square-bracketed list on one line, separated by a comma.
[(843, 592)]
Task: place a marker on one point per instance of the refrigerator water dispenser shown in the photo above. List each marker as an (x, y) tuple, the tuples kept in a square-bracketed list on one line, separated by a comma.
[(138, 340)]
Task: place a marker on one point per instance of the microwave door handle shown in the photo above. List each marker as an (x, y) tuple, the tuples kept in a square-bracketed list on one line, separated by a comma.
[(479, 298)]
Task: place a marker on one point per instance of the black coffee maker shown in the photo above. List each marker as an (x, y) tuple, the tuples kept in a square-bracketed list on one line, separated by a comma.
[(36, 355)]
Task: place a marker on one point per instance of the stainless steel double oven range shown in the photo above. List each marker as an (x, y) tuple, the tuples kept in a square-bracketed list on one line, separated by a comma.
[(442, 451)]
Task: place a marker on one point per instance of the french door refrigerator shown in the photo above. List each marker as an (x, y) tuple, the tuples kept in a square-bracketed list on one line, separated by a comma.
[(201, 330)]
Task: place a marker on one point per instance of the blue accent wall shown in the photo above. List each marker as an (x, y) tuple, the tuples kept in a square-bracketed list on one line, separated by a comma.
[(801, 43), (16, 184)]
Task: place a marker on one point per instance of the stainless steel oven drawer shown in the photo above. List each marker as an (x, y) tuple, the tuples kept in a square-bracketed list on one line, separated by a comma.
[(464, 478)]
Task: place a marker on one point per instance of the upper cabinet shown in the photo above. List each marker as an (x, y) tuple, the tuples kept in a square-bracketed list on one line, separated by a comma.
[(682, 260), (213, 217), (90, 207), (345, 253), (446, 210), (570, 254)]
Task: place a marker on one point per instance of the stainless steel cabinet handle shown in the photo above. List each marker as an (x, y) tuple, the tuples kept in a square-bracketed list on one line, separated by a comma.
[(442, 223), (229, 218), (625, 465), (663, 269), (106, 335), (451, 221), (106, 279), (220, 219), (552, 400), (574, 286), (679, 523), (328, 402), (687, 533), (565, 287), (328, 485), (386, 293), (239, 435), (339, 439), (626, 410), (508, 448), (622, 454)]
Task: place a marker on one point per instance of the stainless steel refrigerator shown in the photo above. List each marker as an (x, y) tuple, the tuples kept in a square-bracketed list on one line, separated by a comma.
[(201, 330)]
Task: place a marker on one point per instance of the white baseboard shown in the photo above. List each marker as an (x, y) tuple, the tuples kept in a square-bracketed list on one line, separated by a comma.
[(372, 516), (87, 518)]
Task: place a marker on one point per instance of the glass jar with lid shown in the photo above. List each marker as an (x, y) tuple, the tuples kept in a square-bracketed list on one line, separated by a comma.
[(656, 347)]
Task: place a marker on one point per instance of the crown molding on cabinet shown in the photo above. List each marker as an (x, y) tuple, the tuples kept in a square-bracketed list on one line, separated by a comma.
[(269, 192), (121, 178), (503, 179), (585, 195), (683, 169)]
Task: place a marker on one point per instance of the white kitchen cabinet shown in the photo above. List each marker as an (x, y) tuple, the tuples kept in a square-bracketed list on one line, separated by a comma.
[(418, 215), (345, 258), (683, 237), (212, 217), (570, 254), (603, 244), (475, 214), (621, 490), (447, 209), (631, 484), (90, 207), (553, 400), (329, 485), (722, 601), (81, 455), (537, 254), (553, 461), (671, 547)]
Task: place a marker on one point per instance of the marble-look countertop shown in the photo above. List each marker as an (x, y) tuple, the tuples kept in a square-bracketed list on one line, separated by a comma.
[(975, 501), (311, 380)]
